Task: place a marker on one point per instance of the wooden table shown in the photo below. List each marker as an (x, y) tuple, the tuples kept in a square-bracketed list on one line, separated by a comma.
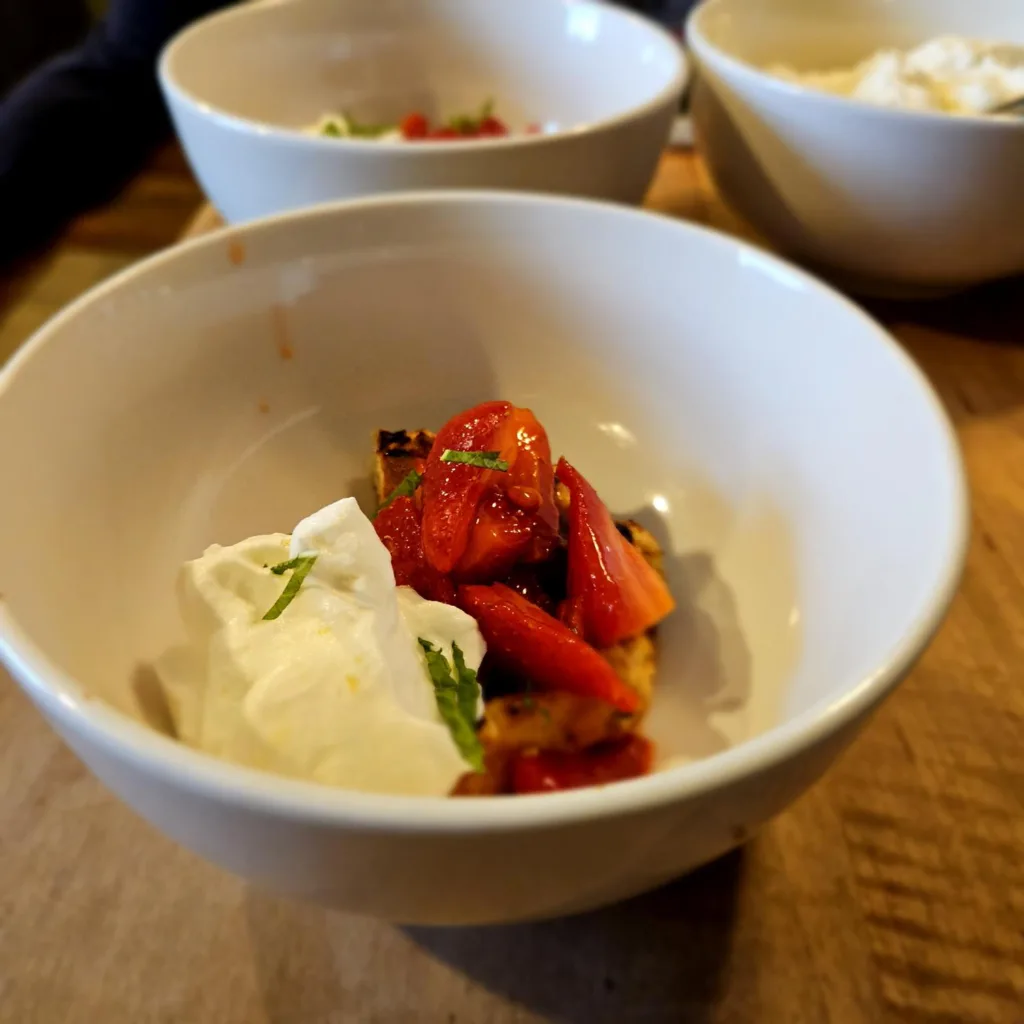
[(894, 891)]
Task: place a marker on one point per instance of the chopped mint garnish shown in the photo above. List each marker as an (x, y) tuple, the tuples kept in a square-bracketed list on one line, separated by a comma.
[(485, 460), (300, 566), (469, 124), (367, 130), (345, 126), (405, 489), (457, 699), (469, 688)]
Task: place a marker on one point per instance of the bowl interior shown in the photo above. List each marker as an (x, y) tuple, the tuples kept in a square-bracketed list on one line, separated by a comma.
[(792, 462), (551, 62), (810, 35)]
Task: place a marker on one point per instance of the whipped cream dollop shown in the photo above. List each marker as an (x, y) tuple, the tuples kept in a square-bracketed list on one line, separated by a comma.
[(335, 689), (948, 74)]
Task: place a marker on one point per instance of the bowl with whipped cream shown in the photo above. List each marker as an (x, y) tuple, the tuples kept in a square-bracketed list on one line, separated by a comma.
[(874, 140), (358, 554), (281, 105)]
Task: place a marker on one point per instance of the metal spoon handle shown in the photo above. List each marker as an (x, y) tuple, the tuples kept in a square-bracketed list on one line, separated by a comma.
[(1014, 106)]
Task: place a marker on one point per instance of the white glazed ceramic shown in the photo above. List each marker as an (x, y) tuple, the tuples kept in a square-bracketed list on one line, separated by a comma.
[(886, 201), (242, 84), (796, 466)]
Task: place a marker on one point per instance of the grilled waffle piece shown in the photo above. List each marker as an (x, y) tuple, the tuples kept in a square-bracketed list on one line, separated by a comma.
[(397, 454)]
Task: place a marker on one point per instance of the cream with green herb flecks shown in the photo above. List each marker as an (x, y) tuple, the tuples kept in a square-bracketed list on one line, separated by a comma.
[(304, 658)]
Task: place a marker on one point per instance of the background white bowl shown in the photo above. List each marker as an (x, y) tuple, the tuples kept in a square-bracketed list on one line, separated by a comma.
[(243, 83), (888, 202), (798, 469)]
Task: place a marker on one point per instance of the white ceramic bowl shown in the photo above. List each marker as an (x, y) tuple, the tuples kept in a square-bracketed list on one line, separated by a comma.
[(242, 84), (798, 469), (886, 201)]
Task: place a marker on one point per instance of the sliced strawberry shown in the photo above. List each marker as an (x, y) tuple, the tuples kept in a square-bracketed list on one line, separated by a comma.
[(535, 583), (453, 490), (517, 520), (619, 595), (492, 126), (570, 612), (414, 126), (525, 639), (502, 536), (399, 527), (531, 475), (480, 523), (550, 771)]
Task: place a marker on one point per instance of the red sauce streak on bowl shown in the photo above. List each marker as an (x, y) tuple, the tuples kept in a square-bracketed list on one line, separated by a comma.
[(236, 253), (281, 337)]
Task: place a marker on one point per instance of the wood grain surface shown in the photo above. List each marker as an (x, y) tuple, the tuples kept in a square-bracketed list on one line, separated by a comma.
[(893, 891)]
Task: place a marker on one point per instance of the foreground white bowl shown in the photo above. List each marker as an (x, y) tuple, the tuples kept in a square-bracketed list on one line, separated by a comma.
[(243, 83), (885, 201), (798, 469)]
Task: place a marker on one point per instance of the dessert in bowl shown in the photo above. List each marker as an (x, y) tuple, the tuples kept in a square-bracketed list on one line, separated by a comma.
[(882, 172), (244, 86), (792, 465)]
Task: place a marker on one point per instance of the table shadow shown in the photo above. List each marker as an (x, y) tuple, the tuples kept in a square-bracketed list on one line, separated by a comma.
[(658, 957), (704, 660), (990, 312)]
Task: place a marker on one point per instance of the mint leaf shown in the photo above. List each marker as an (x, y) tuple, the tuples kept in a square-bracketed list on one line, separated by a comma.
[(456, 700), (484, 460), (282, 567), (469, 688), (405, 489), (367, 130), (299, 566), (469, 124)]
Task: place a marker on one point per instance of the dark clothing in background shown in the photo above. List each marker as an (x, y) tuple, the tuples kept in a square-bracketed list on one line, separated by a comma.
[(671, 13), (30, 32), (75, 130), (78, 128)]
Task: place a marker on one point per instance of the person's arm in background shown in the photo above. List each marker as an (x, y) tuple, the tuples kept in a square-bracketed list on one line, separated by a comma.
[(78, 128)]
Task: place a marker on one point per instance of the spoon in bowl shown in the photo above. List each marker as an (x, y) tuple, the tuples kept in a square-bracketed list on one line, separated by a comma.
[(1013, 107)]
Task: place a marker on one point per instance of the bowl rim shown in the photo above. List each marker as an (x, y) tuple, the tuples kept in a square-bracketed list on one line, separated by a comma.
[(750, 74), (159, 757), (172, 87)]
